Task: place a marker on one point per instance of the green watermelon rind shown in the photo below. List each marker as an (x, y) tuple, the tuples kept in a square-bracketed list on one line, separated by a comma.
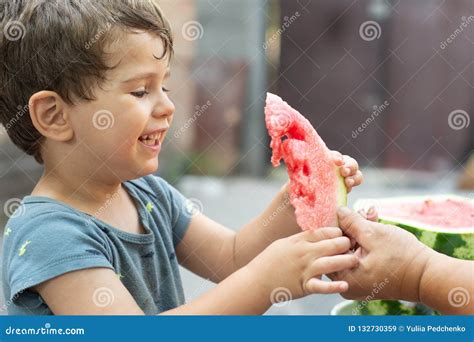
[(380, 308), (341, 190), (395, 308), (455, 242), (460, 246)]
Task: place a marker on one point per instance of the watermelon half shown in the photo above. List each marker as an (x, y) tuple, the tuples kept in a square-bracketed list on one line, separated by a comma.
[(316, 186), (442, 222)]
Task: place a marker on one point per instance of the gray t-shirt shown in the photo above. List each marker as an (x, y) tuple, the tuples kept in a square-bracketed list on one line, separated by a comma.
[(45, 238)]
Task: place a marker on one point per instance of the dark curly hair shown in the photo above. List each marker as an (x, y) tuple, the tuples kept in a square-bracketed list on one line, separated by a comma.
[(58, 45)]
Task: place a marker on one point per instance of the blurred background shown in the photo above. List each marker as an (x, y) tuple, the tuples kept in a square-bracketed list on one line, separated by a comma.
[(388, 82)]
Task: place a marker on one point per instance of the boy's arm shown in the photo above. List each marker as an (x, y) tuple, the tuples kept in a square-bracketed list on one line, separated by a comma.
[(277, 221), (93, 291), (214, 251), (98, 291), (239, 294)]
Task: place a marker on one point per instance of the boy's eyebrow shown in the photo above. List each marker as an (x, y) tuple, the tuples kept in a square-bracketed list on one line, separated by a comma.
[(145, 75)]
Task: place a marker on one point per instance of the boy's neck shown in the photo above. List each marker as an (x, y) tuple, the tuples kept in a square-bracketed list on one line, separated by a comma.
[(73, 188), (89, 195)]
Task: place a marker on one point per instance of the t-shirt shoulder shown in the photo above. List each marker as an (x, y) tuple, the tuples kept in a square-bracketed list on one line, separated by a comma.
[(47, 240)]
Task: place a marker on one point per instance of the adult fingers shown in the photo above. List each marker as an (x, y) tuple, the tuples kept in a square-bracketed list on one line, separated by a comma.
[(355, 226)]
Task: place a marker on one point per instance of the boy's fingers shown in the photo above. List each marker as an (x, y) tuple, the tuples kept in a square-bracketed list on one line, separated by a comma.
[(372, 214), (349, 183), (327, 265), (337, 158), (356, 179), (320, 234), (315, 285), (351, 164), (334, 246)]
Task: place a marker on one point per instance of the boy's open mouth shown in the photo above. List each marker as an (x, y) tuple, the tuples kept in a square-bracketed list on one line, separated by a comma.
[(152, 139)]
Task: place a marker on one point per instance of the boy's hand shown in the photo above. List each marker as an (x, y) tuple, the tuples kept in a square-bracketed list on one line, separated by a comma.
[(296, 263), (349, 169)]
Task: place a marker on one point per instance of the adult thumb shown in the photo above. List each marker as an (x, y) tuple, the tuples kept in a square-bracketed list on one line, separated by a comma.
[(353, 225)]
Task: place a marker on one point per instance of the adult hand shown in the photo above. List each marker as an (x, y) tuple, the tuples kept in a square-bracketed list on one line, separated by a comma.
[(392, 260), (393, 264)]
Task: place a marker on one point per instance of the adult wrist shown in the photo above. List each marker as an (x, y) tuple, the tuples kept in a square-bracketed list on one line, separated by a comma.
[(429, 259)]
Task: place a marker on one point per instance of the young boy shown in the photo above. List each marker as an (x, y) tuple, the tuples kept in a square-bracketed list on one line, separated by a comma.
[(100, 234)]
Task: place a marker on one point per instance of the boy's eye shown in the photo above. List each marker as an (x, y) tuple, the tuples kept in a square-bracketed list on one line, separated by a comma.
[(166, 90), (139, 93)]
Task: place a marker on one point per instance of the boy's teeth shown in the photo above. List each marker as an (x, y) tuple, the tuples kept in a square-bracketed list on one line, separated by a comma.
[(149, 142), (152, 137)]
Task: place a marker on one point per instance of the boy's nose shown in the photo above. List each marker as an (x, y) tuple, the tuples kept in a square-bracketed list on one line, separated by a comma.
[(165, 107)]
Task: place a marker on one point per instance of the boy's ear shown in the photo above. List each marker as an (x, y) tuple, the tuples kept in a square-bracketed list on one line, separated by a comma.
[(49, 116)]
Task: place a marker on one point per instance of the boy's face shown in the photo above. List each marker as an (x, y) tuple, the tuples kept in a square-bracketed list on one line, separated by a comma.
[(110, 133)]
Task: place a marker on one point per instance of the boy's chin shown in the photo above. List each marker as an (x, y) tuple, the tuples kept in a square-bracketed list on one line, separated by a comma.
[(148, 168)]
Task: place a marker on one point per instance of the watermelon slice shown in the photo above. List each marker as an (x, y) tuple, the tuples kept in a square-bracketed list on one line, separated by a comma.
[(442, 222), (316, 186)]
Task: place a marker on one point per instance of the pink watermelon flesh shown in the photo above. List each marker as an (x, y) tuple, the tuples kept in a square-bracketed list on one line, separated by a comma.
[(446, 213), (314, 180)]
